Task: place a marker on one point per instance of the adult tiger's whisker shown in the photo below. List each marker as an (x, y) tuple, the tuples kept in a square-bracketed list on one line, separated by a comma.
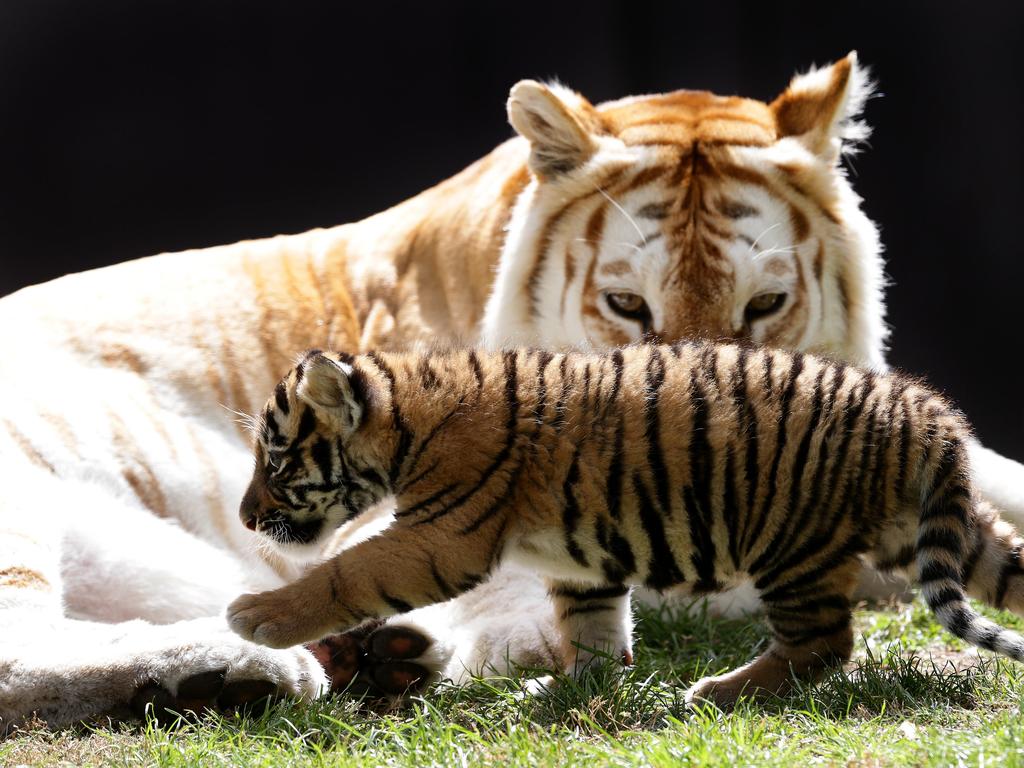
[(757, 239), (764, 253), (622, 210)]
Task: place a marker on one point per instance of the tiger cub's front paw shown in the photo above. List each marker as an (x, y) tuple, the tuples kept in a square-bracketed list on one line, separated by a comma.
[(272, 618)]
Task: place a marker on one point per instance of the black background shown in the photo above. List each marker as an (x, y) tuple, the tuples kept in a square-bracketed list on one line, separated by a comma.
[(129, 127)]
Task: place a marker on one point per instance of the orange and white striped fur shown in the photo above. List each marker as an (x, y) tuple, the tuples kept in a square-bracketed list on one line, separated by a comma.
[(120, 458), (685, 468)]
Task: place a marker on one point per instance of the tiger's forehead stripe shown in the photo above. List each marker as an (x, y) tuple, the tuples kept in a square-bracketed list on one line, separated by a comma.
[(685, 117), (735, 210), (281, 397), (617, 267), (281, 408)]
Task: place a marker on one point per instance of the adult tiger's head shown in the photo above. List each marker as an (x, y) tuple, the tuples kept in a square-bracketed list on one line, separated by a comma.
[(691, 214), (309, 478)]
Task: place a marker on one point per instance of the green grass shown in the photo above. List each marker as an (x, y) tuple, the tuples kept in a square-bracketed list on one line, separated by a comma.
[(913, 696)]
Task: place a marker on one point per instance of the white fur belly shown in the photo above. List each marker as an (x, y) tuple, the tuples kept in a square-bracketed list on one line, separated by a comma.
[(739, 600)]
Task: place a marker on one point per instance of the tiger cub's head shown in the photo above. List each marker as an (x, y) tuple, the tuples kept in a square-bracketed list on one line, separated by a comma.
[(691, 214), (310, 477)]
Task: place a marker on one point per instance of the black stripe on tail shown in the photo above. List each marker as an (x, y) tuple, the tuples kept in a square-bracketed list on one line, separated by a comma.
[(947, 515)]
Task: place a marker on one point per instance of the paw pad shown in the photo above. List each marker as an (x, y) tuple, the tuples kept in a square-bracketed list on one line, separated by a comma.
[(199, 693), (374, 660)]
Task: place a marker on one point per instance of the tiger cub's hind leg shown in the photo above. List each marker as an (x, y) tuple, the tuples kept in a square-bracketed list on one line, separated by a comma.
[(812, 634), (593, 622), (993, 568)]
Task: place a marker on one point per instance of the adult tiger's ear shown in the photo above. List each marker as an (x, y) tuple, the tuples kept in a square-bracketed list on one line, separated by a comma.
[(821, 108), (335, 389), (553, 119)]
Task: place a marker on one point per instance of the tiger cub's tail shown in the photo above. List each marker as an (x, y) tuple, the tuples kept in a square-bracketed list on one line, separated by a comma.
[(955, 544)]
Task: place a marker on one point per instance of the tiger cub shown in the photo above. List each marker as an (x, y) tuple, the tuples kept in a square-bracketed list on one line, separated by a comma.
[(689, 468)]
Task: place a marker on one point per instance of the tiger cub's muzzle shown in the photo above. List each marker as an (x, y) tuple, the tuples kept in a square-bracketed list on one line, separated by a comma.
[(263, 514), (257, 506)]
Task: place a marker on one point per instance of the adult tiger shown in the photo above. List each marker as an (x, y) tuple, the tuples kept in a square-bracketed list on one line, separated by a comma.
[(667, 215)]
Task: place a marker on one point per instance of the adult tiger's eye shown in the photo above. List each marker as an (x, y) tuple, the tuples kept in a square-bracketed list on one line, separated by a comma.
[(764, 304), (629, 305)]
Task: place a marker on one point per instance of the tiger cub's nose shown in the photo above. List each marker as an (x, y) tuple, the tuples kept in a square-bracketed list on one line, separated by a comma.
[(249, 509)]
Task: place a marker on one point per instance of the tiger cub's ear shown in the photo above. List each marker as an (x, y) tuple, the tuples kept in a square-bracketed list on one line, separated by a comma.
[(559, 140), (334, 389), (820, 108)]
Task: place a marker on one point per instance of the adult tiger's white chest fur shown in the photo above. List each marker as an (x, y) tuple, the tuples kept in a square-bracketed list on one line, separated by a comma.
[(122, 465)]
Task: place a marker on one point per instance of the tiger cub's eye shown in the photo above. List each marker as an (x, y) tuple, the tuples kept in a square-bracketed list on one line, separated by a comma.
[(764, 304), (629, 305)]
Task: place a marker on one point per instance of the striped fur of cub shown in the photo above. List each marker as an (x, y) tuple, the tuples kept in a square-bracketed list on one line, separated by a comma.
[(686, 468)]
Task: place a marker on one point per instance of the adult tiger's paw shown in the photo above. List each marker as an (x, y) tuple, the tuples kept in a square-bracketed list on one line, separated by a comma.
[(204, 667), (272, 618), (205, 692)]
